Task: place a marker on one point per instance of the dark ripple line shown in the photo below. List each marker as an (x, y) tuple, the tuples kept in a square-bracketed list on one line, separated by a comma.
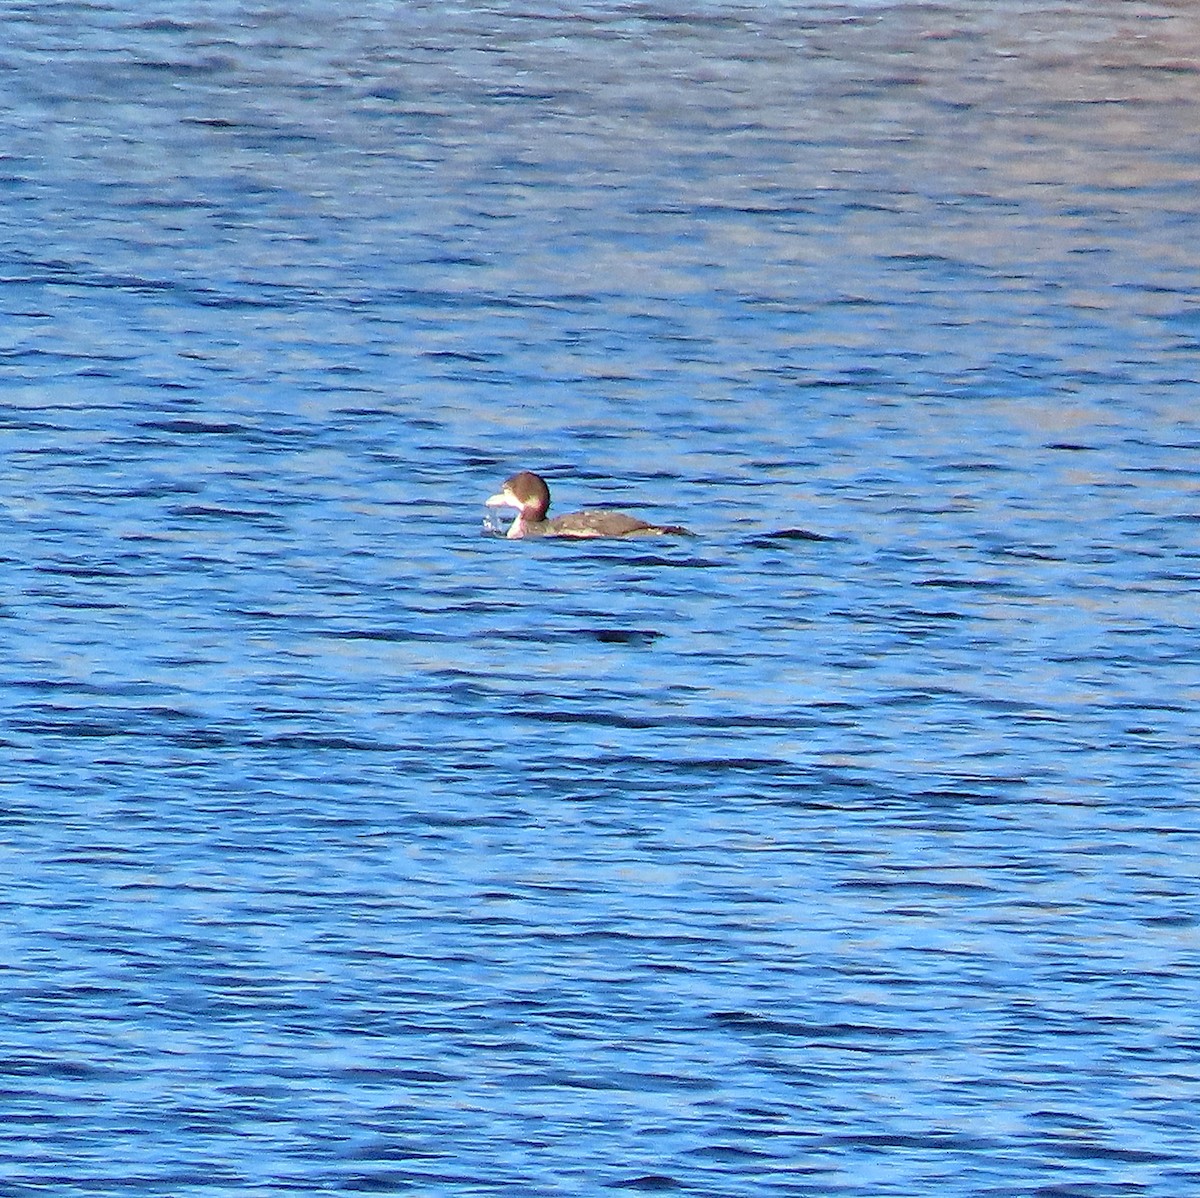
[(620, 636), (940, 1140), (81, 571), (83, 687), (965, 584), (614, 719), (920, 885), (648, 1183), (248, 515), (196, 427), (27, 1066), (750, 1021), (267, 294), (204, 738), (772, 540)]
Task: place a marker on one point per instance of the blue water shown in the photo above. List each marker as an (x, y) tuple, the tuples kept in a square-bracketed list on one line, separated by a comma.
[(848, 848)]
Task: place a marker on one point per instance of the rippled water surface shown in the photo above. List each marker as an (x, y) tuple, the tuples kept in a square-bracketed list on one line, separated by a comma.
[(849, 847)]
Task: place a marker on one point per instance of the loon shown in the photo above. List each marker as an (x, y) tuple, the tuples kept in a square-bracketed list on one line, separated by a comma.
[(529, 494)]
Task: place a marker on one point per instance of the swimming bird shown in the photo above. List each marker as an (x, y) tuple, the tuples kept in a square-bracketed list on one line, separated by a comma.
[(529, 494)]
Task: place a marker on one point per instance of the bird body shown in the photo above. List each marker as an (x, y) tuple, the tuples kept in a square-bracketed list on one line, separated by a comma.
[(530, 496)]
